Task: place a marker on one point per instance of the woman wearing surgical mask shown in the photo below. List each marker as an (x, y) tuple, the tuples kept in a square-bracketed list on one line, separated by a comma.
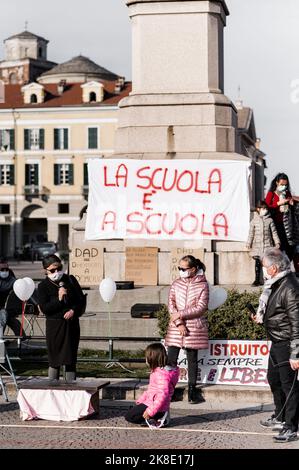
[(262, 235), (60, 299), (188, 326), (279, 200), (7, 279)]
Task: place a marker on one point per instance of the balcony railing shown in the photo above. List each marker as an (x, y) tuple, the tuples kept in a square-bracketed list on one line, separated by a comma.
[(33, 190)]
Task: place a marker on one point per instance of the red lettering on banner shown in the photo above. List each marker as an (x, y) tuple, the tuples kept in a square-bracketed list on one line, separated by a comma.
[(202, 227), (264, 350), (188, 188), (182, 181), (109, 218), (225, 348), (139, 175), (196, 188), (146, 201), (223, 224), (170, 188), (234, 350), (131, 219), (121, 174), (157, 170), (217, 350), (148, 230), (216, 181), (105, 178), (184, 230)]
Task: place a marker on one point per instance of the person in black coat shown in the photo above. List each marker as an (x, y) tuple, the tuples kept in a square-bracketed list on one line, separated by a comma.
[(7, 279), (61, 300), (279, 312)]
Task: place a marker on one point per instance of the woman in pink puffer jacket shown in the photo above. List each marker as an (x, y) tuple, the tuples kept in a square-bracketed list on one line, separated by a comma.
[(188, 326), (155, 401)]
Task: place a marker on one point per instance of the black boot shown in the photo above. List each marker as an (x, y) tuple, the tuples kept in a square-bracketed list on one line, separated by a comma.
[(258, 270), (192, 394)]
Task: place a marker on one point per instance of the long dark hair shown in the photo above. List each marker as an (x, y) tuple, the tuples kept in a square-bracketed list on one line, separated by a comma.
[(194, 262), (280, 176)]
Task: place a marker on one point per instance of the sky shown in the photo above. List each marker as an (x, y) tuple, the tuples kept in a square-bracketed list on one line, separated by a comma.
[(261, 57)]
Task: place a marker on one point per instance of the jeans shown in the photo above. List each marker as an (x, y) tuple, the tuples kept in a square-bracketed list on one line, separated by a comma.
[(173, 354), (284, 385)]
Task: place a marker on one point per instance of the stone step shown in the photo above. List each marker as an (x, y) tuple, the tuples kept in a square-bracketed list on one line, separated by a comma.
[(216, 397)]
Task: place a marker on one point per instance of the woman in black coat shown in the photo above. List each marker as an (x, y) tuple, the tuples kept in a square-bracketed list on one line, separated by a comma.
[(61, 300)]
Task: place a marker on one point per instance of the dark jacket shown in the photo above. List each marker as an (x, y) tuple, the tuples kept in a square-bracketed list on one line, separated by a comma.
[(6, 286), (282, 314), (62, 335), (51, 306)]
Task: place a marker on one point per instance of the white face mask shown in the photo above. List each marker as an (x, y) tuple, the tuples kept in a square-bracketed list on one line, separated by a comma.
[(263, 212), (282, 188), (4, 274), (184, 274), (265, 273), (56, 276)]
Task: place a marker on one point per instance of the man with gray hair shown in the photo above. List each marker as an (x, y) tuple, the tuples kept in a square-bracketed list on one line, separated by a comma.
[(279, 312)]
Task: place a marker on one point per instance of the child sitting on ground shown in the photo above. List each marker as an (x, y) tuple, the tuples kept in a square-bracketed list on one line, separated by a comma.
[(263, 234), (153, 405)]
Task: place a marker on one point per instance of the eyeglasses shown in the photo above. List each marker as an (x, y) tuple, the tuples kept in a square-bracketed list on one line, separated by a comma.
[(59, 268), (3, 270), (183, 269)]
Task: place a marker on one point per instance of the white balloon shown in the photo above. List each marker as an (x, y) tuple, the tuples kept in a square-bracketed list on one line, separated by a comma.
[(217, 297), (30, 284), (23, 289), (107, 289)]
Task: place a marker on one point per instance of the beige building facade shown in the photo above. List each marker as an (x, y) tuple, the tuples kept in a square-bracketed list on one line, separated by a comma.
[(47, 134)]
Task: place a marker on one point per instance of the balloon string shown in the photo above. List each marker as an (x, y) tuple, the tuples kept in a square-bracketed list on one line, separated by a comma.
[(23, 317)]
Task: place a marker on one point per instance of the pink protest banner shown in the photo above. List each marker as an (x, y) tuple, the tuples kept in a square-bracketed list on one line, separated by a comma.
[(168, 199)]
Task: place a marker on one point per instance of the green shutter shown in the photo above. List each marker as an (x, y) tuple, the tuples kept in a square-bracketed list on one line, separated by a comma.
[(71, 173), (12, 139), (56, 174), (66, 138), (85, 180), (26, 139), (27, 174), (42, 139), (56, 139), (36, 179), (93, 138), (12, 175)]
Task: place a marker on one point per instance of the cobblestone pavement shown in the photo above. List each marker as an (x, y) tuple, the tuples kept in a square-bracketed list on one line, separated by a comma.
[(188, 430)]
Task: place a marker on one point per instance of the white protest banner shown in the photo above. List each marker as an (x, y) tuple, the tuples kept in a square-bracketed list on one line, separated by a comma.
[(229, 362), (168, 199)]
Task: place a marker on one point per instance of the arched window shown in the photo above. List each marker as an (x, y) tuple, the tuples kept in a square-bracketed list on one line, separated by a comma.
[(40, 52), (92, 97), (33, 98), (13, 78)]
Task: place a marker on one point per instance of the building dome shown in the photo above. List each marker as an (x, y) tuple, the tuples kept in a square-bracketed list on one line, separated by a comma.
[(77, 70)]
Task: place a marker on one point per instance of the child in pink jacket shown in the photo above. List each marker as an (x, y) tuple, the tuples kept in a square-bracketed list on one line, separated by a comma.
[(155, 402)]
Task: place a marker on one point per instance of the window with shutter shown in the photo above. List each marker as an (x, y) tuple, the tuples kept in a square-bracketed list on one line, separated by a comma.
[(42, 139), (92, 137), (12, 175), (27, 139), (12, 139), (65, 139), (56, 174), (56, 139), (71, 174)]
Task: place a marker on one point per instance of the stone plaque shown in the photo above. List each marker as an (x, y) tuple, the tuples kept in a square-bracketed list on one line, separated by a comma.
[(177, 254), (86, 264), (142, 266)]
